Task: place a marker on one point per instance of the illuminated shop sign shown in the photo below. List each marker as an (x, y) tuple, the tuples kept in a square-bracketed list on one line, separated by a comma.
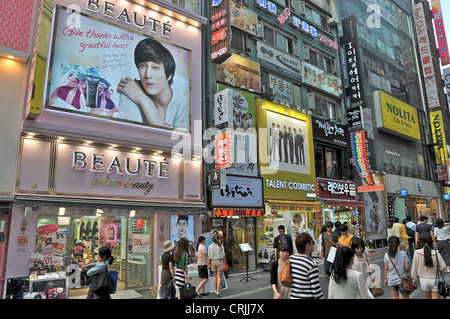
[(440, 150), (373, 188), (224, 149), (358, 141), (330, 189), (220, 30), (238, 212), (301, 25), (440, 31)]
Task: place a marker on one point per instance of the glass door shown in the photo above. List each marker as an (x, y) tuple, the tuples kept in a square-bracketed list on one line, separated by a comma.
[(139, 257), (237, 234)]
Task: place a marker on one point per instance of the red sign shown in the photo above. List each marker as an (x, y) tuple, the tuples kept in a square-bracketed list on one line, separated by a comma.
[(220, 30), (47, 229), (330, 189), (224, 150), (439, 28), (222, 212), (373, 188), (140, 224)]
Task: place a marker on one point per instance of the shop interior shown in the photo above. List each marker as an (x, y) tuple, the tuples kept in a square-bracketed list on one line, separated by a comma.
[(71, 238)]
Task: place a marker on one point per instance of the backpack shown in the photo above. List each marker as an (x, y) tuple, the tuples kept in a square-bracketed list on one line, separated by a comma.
[(410, 232)]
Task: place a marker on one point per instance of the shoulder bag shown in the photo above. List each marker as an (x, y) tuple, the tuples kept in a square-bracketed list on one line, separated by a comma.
[(188, 292), (102, 283), (407, 283), (286, 277), (443, 287)]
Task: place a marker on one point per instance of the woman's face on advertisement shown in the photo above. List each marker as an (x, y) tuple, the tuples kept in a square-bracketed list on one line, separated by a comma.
[(153, 77)]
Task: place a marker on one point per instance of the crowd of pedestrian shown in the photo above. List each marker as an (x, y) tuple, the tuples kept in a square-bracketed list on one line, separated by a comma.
[(418, 251)]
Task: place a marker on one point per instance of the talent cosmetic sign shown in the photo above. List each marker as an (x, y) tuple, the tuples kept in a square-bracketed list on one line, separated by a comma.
[(122, 62)]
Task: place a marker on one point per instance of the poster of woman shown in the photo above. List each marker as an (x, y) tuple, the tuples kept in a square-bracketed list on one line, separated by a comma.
[(103, 70)]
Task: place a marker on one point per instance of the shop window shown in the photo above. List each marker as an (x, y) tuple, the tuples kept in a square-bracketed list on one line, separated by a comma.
[(328, 162)]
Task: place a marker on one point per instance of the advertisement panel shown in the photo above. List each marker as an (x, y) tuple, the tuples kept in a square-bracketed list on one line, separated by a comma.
[(239, 71), (439, 30), (282, 90), (104, 70), (286, 152), (395, 116), (220, 30), (440, 144), (243, 18), (278, 61), (239, 192), (359, 152), (330, 189), (105, 172), (446, 72), (322, 80), (425, 56)]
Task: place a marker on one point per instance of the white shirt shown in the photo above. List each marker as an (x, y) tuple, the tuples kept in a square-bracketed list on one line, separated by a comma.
[(355, 287)]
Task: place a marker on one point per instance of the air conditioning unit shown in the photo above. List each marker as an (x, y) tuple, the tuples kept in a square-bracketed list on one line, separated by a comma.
[(332, 21), (267, 91)]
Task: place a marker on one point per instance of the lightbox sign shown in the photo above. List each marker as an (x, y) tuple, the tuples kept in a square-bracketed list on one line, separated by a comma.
[(359, 151), (99, 64), (426, 57), (395, 116), (224, 149), (220, 30), (440, 149), (439, 29), (329, 189)]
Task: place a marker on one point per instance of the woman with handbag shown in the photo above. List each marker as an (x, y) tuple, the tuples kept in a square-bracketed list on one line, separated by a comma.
[(441, 234), (396, 266), (180, 263), (99, 269), (425, 266), (216, 255), (280, 291)]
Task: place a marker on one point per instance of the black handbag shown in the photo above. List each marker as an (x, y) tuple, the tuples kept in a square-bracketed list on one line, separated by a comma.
[(188, 292), (102, 283), (443, 287)]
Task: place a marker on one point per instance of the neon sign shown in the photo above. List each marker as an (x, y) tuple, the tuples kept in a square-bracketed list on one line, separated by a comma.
[(358, 140)]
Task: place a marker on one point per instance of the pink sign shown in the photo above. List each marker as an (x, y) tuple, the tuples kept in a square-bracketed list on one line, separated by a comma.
[(439, 29), (47, 229)]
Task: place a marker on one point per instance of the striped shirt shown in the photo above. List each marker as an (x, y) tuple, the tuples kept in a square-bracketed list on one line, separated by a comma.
[(305, 278)]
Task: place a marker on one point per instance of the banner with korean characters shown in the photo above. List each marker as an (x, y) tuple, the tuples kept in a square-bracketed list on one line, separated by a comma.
[(282, 90), (330, 189)]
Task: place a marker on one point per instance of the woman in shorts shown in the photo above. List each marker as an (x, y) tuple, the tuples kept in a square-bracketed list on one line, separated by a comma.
[(216, 255), (399, 259)]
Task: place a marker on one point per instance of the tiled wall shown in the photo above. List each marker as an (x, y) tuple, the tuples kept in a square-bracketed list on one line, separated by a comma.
[(15, 24)]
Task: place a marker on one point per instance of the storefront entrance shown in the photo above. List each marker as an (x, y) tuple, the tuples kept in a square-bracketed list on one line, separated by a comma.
[(66, 242)]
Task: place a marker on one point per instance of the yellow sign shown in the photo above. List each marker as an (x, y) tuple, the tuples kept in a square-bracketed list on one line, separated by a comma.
[(398, 117), (286, 152), (437, 131)]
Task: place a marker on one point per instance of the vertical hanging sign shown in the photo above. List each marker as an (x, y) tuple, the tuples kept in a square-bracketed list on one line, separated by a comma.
[(220, 30), (359, 151), (439, 30)]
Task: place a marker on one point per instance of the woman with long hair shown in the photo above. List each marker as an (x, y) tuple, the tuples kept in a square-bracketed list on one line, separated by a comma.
[(441, 235), (216, 255), (425, 266), (395, 262), (96, 269), (180, 263), (346, 283)]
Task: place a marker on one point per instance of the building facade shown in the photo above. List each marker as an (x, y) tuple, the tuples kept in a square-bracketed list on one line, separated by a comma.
[(96, 165)]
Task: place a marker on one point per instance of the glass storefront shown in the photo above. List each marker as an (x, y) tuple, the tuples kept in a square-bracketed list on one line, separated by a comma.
[(67, 241)]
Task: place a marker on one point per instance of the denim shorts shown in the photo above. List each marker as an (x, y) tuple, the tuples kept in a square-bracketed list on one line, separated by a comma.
[(398, 288)]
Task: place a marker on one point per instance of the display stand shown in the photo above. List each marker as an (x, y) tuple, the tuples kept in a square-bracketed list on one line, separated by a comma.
[(245, 247)]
